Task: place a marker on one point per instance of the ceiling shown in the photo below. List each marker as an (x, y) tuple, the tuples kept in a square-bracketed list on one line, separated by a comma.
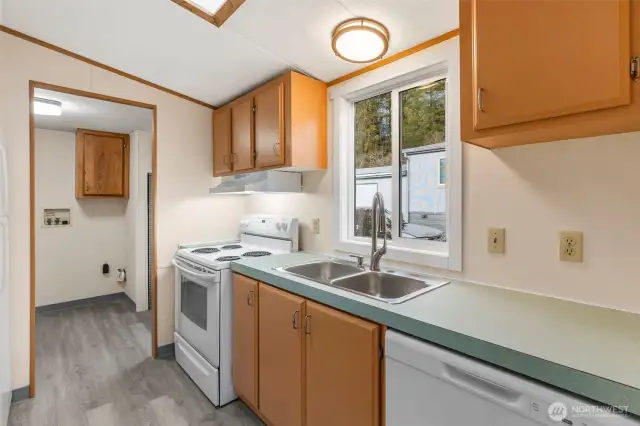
[(159, 41), (79, 112)]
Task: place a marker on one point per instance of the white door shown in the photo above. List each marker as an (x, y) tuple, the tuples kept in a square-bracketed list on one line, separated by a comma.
[(5, 367)]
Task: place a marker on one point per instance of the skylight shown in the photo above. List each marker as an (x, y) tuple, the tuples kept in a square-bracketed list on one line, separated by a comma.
[(210, 6)]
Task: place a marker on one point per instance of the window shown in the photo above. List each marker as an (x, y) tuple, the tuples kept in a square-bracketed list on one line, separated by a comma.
[(401, 137)]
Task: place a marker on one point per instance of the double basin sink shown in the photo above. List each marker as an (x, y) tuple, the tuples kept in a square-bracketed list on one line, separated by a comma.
[(389, 287)]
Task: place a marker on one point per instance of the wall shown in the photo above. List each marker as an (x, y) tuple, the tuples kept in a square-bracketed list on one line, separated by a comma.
[(185, 213), (141, 154), (69, 259), (534, 192)]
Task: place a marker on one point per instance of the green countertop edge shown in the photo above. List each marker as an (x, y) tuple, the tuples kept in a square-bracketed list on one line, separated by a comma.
[(578, 382)]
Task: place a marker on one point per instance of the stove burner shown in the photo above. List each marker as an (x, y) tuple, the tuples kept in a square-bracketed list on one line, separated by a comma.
[(227, 258), (231, 247), (256, 253), (205, 250)]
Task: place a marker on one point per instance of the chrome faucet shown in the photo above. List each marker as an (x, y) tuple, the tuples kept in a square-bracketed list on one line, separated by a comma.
[(378, 216)]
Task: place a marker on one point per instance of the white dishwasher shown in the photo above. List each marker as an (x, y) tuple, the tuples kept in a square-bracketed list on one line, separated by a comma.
[(430, 386)]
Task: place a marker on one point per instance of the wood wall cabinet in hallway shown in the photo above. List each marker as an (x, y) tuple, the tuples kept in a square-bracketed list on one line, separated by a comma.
[(102, 164), (281, 356), (537, 71), (245, 338), (280, 125)]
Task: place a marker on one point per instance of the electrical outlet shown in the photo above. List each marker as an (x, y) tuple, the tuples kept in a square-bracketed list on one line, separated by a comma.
[(315, 225), (495, 240), (571, 246)]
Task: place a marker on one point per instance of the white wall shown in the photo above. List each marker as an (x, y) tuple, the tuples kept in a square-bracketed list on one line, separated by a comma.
[(185, 211), (141, 144), (69, 259), (533, 191)]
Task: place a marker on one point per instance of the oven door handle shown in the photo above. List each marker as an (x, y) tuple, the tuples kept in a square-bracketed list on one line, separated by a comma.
[(208, 277)]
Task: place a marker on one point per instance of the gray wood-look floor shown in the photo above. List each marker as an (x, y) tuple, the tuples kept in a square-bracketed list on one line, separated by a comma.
[(93, 368)]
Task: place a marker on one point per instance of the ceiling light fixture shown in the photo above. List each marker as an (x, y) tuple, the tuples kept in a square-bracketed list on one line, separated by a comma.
[(43, 106), (360, 40)]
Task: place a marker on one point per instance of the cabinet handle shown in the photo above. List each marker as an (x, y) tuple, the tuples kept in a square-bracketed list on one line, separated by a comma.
[(234, 158), (480, 99), (294, 320), (307, 328), (225, 158), (250, 298), (275, 151)]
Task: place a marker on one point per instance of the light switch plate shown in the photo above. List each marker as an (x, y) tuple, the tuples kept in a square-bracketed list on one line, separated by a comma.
[(496, 240), (571, 246)]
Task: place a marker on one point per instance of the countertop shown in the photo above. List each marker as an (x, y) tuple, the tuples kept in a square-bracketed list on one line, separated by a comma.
[(590, 351)]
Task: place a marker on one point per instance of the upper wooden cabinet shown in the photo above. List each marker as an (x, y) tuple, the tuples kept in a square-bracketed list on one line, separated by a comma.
[(102, 164), (537, 71), (222, 134), (245, 338), (242, 137), (269, 121), (280, 125)]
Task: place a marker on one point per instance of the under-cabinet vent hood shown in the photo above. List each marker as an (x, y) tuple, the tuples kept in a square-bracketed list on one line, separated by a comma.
[(259, 182)]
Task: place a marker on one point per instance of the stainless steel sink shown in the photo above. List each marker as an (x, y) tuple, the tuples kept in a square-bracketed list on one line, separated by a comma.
[(323, 271), (396, 287), (390, 288)]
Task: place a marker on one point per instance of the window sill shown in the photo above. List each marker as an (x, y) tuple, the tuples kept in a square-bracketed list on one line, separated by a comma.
[(432, 259)]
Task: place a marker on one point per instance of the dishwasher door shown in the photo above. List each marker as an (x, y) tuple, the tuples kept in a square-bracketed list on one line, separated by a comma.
[(430, 386)]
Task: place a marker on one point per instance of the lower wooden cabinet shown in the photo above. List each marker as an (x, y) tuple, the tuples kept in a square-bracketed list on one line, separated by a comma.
[(245, 338), (281, 356), (343, 368), (297, 362)]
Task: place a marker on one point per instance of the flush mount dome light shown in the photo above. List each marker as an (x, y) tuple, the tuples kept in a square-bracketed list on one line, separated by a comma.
[(43, 106), (360, 40)]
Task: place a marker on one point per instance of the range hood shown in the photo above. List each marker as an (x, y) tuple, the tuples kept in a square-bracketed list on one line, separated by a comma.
[(271, 181)]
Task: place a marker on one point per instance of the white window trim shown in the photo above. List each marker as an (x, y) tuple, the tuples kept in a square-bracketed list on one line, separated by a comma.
[(429, 65)]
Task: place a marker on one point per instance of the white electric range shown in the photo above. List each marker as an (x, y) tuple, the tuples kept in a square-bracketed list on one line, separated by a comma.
[(204, 299)]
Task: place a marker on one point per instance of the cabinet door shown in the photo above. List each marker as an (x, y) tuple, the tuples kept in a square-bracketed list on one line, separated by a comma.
[(245, 338), (221, 141), (269, 105), (280, 364), (539, 59), (342, 368), (102, 164), (242, 135)]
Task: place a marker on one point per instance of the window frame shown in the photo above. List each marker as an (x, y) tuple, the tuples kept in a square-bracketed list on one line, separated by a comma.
[(437, 63)]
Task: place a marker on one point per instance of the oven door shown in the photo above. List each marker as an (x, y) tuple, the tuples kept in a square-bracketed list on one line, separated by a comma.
[(198, 309)]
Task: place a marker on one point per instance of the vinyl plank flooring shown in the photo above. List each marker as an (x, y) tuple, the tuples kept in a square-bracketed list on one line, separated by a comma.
[(93, 368)]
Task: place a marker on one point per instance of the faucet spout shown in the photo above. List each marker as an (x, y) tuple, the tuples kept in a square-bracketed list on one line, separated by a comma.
[(378, 219)]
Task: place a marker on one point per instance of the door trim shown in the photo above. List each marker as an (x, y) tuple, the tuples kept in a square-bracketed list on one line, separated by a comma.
[(32, 216)]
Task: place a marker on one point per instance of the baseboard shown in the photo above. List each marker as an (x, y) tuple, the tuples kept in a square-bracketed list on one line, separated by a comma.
[(166, 351), (82, 302), (19, 394), (130, 302)]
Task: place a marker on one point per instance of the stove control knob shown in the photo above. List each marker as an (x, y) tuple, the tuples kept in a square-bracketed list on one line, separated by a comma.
[(278, 226), (284, 226)]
